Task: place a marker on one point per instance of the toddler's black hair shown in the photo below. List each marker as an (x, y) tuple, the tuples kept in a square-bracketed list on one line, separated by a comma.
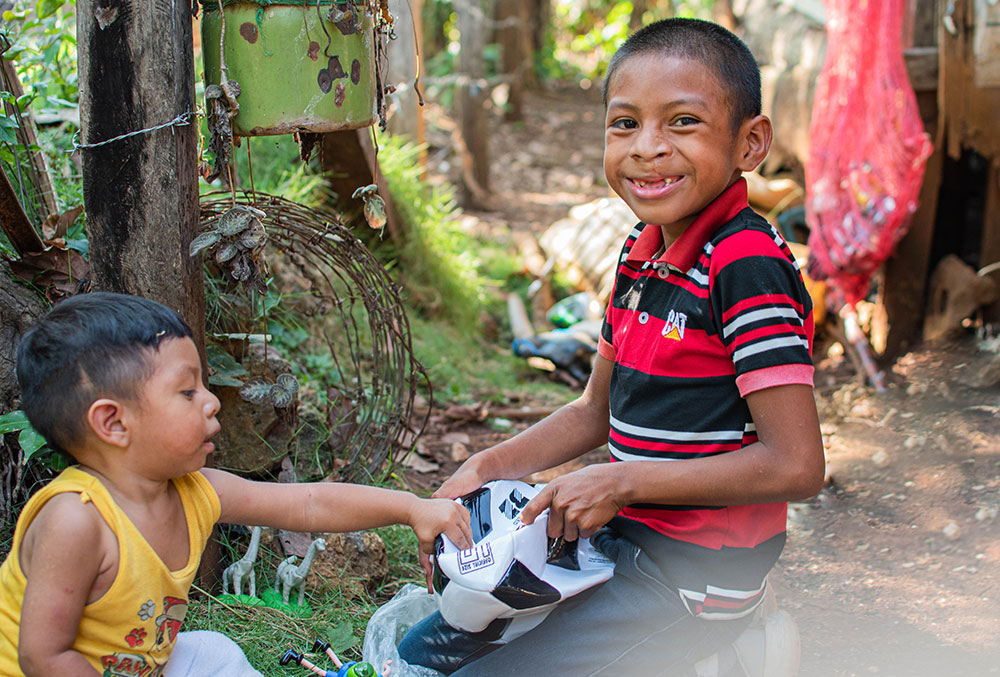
[(711, 44), (87, 347)]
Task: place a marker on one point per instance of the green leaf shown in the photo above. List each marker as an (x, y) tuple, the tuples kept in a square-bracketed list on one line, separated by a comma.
[(31, 441), (8, 129), (46, 8), (341, 637), (223, 368), (13, 421)]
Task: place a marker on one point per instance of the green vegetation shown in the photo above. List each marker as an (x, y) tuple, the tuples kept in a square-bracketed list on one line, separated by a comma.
[(265, 633)]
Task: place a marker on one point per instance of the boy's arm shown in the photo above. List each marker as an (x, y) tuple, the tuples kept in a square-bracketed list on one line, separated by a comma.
[(786, 463), (337, 507), (573, 430), (61, 563)]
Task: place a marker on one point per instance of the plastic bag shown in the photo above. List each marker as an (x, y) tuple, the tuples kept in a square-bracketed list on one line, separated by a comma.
[(868, 147), (388, 625)]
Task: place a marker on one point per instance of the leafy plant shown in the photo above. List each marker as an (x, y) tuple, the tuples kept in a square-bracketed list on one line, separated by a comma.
[(32, 443), (29, 439)]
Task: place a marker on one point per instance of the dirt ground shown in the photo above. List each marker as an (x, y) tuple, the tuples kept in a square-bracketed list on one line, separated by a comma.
[(894, 568)]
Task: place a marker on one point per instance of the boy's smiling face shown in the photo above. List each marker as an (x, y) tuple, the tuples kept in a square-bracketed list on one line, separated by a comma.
[(172, 424), (669, 144)]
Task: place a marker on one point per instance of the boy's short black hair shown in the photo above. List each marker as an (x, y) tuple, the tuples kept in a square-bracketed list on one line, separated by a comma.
[(87, 347), (711, 44)]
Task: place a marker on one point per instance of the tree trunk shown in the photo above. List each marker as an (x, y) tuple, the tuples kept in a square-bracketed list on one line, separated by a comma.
[(136, 66), (514, 37), (20, 308), (141, 192), (472, 102)]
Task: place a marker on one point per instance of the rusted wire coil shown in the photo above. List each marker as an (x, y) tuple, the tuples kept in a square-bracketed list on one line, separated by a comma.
[(364, 325)]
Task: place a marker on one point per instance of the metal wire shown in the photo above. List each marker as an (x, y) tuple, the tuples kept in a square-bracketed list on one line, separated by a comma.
[(360, 313)]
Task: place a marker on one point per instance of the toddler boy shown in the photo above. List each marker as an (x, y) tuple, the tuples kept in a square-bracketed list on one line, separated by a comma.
[(103, 557)]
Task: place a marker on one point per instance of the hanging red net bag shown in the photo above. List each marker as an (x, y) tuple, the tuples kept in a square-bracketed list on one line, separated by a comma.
[(868, 147)]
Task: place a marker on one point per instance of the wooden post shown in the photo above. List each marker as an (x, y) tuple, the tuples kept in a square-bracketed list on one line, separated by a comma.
[(40, 178), (136, 67), (141, 192), (900, 312), (15, 222)]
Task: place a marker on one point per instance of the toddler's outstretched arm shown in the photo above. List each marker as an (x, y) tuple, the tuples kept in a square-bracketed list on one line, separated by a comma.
[(337, 507)]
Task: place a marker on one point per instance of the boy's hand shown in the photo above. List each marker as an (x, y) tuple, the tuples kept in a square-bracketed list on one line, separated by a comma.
[(464, 481), (579, 503)]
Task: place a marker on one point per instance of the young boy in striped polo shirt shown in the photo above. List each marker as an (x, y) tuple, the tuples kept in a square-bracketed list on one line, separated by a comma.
[(702, 390)]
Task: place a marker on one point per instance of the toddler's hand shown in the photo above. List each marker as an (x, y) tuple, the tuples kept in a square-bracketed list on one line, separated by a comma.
[(433, 516)]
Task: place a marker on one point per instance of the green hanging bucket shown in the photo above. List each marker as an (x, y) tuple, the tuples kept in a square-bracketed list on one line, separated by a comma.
[(306, 66)]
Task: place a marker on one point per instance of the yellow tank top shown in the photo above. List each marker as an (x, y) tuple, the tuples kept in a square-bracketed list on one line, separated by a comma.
[(133, 627)]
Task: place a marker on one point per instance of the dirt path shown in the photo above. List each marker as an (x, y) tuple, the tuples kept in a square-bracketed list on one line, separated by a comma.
[(894, 569)]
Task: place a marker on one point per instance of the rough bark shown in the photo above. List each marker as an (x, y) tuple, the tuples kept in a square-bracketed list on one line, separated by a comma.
[(20, 307), (141, 192)]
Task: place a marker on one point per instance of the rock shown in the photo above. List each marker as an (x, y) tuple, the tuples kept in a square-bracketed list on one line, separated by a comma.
[(253, 436), (913, 441), (453, 437), (984, 514), (459, 452), (951, 531), (420, 464), (986, 372), (353, 562), (880, 458)]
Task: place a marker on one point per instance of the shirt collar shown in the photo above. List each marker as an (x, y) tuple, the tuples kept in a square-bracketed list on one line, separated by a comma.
[(683, 253)]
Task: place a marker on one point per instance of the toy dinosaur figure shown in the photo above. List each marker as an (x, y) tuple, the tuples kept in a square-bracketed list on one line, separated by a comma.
[(239, 569), (291, 576)]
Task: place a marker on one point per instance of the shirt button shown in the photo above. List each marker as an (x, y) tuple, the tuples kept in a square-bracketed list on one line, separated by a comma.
[(663, 272), (643, 317)]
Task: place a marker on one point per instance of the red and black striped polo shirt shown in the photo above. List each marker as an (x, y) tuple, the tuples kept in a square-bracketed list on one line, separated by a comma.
[(722, 313)]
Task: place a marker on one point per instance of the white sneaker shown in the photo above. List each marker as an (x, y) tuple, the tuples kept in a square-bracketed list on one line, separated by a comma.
[(768, 648), (771, 650)]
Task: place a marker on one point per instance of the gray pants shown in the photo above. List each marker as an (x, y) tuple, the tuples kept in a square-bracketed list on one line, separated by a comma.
[(634, 624)]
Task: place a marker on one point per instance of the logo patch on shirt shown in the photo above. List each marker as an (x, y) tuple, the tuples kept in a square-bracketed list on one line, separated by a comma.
[(674, 327)]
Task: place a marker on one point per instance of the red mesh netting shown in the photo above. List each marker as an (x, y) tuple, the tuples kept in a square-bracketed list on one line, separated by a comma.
[(867, 146)]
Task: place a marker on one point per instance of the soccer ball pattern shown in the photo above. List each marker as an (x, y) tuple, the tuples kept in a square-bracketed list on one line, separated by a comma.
[(513, 575)]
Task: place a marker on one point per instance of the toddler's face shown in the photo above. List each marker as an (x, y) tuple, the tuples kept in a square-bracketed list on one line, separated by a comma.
[(669, 148), (173, 423)]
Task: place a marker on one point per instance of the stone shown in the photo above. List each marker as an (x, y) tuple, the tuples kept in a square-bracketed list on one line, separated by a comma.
[(459, 452), (880, 458), (355, 562), (240, 445), (951, 531)]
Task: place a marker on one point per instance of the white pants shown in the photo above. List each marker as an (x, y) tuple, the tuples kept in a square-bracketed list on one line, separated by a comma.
[(201, 652)]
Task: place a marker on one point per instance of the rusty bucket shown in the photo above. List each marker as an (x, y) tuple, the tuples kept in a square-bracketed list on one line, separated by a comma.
[(301, 66)]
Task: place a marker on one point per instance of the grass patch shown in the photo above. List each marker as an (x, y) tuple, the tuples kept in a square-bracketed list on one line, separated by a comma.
[(265, 634), (465, 368)]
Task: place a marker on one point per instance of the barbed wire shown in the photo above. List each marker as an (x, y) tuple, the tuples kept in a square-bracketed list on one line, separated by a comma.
[(181, 120)]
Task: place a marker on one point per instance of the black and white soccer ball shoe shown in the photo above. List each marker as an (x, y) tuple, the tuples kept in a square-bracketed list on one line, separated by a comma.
[(513, 575)]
